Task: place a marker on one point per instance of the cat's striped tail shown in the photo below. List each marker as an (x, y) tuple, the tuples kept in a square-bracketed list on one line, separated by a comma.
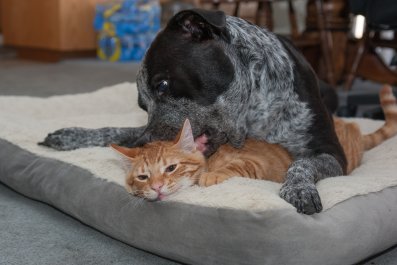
[(389, 129)]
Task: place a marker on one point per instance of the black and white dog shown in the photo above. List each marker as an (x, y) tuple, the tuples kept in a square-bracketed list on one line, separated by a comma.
[(233, 80)]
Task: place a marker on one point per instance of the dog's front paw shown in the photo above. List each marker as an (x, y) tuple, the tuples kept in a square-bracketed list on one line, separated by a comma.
[(67, 139), (304, 196)]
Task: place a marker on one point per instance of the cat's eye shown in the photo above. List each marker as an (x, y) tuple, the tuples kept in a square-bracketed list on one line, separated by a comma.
[(162, 87), (142, 177), (170, 168)]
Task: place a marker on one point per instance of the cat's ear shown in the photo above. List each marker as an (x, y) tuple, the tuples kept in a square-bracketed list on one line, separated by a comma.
[(129, 153), (185, 139)]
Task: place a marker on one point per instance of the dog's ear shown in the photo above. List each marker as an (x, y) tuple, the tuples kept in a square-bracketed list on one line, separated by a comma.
[(200, 24)]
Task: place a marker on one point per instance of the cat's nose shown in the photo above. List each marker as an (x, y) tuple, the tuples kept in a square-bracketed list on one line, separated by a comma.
[(157, 186)]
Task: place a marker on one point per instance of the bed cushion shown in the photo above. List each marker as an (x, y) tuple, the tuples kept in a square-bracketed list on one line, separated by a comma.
[(241, 221)]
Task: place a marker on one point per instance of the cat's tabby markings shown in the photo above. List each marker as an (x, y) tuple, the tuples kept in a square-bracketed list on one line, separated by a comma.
[(161, 168)]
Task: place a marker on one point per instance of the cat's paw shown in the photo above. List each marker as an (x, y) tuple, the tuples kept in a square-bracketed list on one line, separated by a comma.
[(304, 196), (67, 139), (207, 179)]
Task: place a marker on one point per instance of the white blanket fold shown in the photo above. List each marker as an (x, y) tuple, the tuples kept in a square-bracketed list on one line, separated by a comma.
[(25, 121)]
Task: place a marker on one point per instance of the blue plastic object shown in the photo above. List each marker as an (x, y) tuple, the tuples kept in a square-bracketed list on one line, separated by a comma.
[(126, 28)]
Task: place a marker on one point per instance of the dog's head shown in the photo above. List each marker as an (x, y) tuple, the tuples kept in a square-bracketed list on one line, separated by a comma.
[(186, 73)]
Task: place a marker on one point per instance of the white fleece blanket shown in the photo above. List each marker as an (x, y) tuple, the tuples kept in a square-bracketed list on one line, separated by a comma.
[(25, 121)]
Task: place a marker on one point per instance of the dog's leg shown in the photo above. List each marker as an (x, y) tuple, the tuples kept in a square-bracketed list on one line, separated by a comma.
[(75, 137), (299, 188)]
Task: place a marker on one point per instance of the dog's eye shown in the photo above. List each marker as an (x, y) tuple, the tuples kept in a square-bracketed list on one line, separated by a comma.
[(143, 177), (162, 87), (170, 168)]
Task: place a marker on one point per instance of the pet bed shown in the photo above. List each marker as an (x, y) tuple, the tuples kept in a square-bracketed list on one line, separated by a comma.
[(240, 221)]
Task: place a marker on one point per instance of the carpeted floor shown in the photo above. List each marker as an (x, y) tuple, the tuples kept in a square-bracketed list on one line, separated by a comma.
[(35, 233), (67, 77), (32, 232)]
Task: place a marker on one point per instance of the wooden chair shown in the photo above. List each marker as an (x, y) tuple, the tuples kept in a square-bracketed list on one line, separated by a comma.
[(264, 17), (366, 62)]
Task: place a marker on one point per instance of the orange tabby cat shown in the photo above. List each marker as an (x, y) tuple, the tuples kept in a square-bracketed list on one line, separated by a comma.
[(161, 168)]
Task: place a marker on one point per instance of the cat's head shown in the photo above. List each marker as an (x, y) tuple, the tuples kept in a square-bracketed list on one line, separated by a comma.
[(161, 168)]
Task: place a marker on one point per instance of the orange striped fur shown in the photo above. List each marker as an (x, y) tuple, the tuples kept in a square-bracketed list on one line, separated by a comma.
[(257, 159), (354, 143), (167, 166), (389, 107)]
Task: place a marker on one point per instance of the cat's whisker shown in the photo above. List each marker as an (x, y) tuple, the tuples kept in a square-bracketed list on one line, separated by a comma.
[(131, 200), (136, 202), (139, 201), (195, 178), (171, 186), (173, 190), (126, 199)]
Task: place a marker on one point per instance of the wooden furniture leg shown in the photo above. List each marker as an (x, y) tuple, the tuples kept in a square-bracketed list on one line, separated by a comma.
[(361, 49), (292, 20), (368, 64), (326, 43), (372, 67), (236, 9), (265, 13)]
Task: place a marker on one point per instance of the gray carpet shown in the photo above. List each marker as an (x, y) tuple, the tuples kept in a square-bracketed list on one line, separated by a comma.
[(67, 77), (32, 233), (35, 233)]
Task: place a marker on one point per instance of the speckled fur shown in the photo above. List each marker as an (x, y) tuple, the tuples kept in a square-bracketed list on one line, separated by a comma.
[(262, 102), (264, 81)]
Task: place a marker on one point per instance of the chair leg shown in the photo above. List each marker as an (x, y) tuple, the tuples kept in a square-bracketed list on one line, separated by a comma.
[(265, 11), (292, 20), (362, 48), (368, 64), (326, 43), (372, 67), (236, 9)]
